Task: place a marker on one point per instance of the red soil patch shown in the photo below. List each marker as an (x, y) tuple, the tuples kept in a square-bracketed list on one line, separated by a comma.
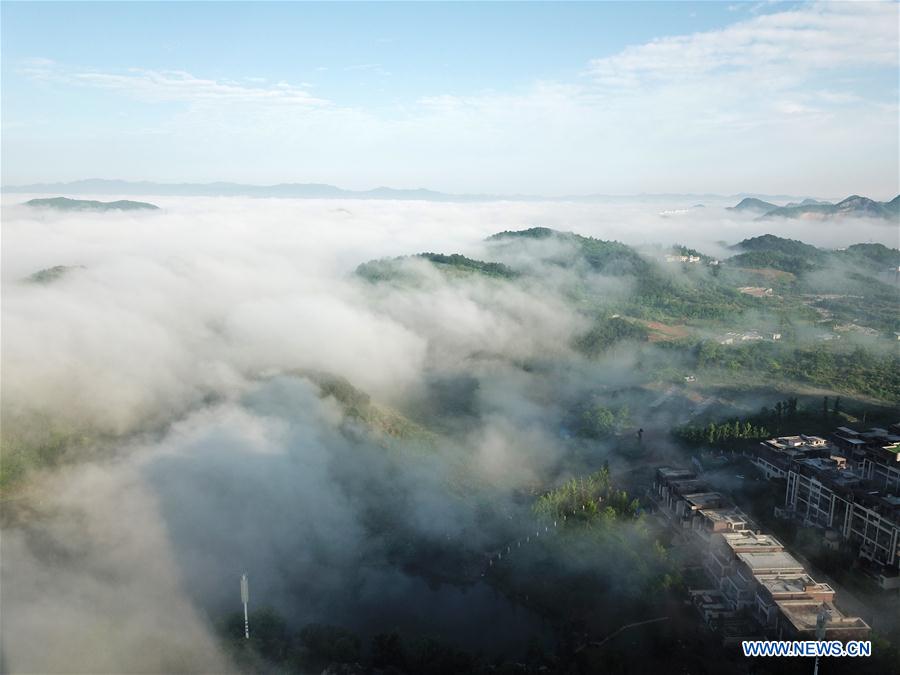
[(660, 332)]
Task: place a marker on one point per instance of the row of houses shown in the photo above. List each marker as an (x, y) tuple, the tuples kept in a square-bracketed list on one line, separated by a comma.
[(757, 587), (748, 336), (848, 486), (673, 258)]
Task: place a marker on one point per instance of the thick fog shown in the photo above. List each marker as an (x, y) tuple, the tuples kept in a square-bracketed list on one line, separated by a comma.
[(183, 345)]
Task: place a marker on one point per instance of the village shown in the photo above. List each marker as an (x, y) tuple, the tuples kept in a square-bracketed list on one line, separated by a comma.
[(743, 581)]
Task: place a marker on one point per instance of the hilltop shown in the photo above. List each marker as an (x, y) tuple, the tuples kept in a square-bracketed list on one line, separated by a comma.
[(790, 255), (609, 257), (854, 205), (652, 290), (66, 204), (753, 204), (394, 269), (51, 274)]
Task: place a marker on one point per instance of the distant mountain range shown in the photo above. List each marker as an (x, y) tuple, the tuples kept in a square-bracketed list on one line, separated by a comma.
[(98, 186), (853, 205), (66, 204)]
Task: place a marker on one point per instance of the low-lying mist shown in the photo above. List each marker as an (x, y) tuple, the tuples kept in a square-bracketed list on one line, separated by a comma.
[(239, 401)]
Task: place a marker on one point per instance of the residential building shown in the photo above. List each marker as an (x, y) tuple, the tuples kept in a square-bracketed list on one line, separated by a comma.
[(868, 519), (751, 573), (797, 620), (774, 588)]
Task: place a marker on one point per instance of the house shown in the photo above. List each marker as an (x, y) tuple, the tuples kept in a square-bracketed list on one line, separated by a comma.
[(757, 291), (673, 258), (875, 454), (842, 500), (693, 503), (775, 588), (712, 605), (797, 620), (714, 521), (724, 547), (775, 456), (664, 481)]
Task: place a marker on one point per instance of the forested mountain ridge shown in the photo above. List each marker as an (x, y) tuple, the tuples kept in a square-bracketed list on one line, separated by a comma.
[(66, 204)]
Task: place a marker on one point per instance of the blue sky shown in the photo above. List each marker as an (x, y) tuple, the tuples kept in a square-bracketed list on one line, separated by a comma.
[(487, 97)]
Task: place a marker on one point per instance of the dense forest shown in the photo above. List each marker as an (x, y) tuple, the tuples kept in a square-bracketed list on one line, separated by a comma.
[(871, 373)]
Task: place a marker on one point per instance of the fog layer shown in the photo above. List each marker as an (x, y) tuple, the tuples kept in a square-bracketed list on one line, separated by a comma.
[(182, 346)]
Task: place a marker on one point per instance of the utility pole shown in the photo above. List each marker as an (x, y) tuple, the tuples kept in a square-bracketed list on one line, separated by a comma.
[(245, 598), (821, 621)]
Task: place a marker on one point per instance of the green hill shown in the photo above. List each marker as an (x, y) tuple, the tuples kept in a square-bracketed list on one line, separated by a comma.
[(607, 332), (790, 255), (769, 242), (657, 294), (394, 269), (386, 424), (66, 204), (771, 252), (51, 274), (608, 257), (753, 204), (877, 253)]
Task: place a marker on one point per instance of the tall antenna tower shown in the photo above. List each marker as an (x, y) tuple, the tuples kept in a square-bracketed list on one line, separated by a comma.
[(245, 598), (821, 627)]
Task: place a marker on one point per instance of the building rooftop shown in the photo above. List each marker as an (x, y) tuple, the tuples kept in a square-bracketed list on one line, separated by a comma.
[(819, 463), (690, 486), (671, 473), (769, 560), (747, 541), (731, 517), (793, 443), (842, 480), (791, 584), (803, 615), (705, 500), (787, 441)]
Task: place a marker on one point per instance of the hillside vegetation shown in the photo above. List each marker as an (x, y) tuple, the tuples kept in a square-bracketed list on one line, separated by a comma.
[(66, 204)]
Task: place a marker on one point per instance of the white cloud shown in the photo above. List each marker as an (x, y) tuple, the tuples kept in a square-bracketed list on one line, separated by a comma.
[(780, 45), (768, 101), (177, 85)]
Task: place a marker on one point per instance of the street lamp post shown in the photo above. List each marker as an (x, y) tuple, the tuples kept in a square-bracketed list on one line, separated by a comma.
[(245, 598)]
